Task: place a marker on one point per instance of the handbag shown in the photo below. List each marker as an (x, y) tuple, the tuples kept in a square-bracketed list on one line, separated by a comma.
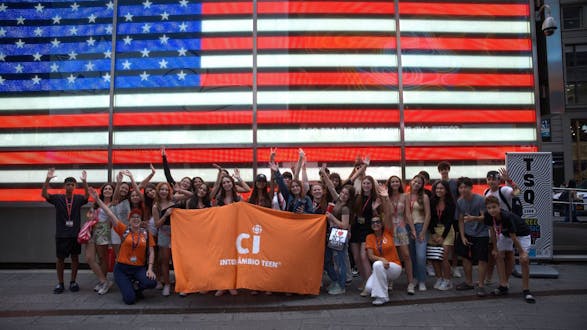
[(85, 232), (434, 252), (338, 238)]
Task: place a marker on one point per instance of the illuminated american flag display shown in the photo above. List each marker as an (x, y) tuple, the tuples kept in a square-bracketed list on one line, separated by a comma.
[(451, 80)]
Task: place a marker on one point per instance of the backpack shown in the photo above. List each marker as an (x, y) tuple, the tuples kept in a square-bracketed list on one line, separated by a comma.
[(516, 207)]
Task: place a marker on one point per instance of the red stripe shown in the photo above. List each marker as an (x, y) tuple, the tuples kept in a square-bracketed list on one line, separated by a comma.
[(301, 79), (451, 116), (468, 79), (367, 42), (291, 7), (462, 9), (358, 116), (486, 44), (463, 153), (54, 121)]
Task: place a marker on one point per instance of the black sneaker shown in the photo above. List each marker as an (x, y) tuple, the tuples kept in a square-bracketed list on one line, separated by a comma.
[(59, 289), (73, 287), (500, 291)]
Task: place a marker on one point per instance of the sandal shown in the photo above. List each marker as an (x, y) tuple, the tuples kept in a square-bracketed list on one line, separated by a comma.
[(529, 298), (500, 291)]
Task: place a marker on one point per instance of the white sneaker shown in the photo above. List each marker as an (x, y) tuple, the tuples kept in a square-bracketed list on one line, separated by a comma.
[(105, 287), (421, 286), (438, 283), (98, 286), (456, 273), (446, 285), (411, 288), (379, 301), (166, 290), (183, 294)]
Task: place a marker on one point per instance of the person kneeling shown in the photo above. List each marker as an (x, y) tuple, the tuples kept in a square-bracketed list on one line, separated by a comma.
[(130, 270), (508, 231), (386, 267)]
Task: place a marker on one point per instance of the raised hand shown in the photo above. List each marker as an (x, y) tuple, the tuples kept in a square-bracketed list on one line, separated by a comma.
[(127, 173), (273, 166), (367, 160), (382, 190), (84, 176), (216, 166), (504, 174), (152, 169), (163, 154), (119, 177), (93, 193), (51, 174), (272, 153)]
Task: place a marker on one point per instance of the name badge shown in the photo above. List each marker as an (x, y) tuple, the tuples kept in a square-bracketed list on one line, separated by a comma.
[(69, 223), (361, 220), (133, 259)]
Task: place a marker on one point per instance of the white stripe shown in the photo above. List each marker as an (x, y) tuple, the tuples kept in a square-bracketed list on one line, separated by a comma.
[(457, 134), (299, 60), (53, 139), (327, 135), (183, 99), (466, 97), (328, 97), (379, 173), (299, 25), (433, 25), (54, 102), (466, 61), (223, 136)]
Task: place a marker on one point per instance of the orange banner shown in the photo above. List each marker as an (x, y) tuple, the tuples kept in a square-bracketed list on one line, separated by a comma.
[(246, 246)]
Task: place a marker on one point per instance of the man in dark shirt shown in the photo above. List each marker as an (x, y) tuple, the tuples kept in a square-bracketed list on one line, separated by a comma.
[(508, 231), (67, 226)]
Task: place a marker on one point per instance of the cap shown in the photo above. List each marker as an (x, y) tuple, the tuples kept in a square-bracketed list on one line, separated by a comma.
[(493, 174), (261, 177)]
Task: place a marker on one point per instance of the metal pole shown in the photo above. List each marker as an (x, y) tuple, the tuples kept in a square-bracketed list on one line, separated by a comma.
[(254, 91), (111, 91)]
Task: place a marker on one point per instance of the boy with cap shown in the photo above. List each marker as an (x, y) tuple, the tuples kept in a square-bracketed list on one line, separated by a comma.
[(67, 226)]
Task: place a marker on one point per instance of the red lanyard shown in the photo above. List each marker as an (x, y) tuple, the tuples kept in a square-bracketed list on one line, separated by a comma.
[(69, 206), (135, 244), (395, 203), (380, 245), (439, 212), (365, 205)]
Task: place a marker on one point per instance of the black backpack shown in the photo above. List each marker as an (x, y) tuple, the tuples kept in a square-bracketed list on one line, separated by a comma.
[(516, 207)]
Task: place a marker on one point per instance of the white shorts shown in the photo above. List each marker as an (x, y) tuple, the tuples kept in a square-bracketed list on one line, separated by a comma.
[(507, 244), (114, 238)]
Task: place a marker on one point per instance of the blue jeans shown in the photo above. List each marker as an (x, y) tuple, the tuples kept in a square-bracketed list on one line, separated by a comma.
[(124, 275), (418, 254), (330, 257)]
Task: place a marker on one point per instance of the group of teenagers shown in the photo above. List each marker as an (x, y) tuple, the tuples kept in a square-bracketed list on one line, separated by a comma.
[(389, 229)]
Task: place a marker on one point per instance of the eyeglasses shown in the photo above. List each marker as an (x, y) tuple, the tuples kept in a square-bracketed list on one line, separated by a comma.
[(375, 222)]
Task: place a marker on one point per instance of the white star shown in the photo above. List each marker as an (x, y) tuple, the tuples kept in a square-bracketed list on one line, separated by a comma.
[(37, 56), (109, 29), (90, 66), (36, 80), (164, 16), (1, 80), (146, 28), (163, 39), (181, 75), (145, 52), (73, 31), (110, 5), (2, 7), (91, 41), (39, 7), (56, 19), (182, 51), (127, 40), (72, 55), (20, 20), (108, 54), (128, 17), (71, 79), (74, 6), (38, 31), (163, 64), (92, 18), (19, 68), (147, 4), (106, 77), (20, 43), (2, 57), (183, 27), (54, 67), (126, 65), (2, 32), (183, 3), (144, 76), (55, 42)]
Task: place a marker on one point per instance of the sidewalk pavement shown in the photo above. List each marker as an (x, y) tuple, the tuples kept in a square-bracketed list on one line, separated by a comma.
[(28, 293)]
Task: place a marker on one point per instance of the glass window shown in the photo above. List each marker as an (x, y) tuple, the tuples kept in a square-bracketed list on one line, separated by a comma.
[(572, 17)]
